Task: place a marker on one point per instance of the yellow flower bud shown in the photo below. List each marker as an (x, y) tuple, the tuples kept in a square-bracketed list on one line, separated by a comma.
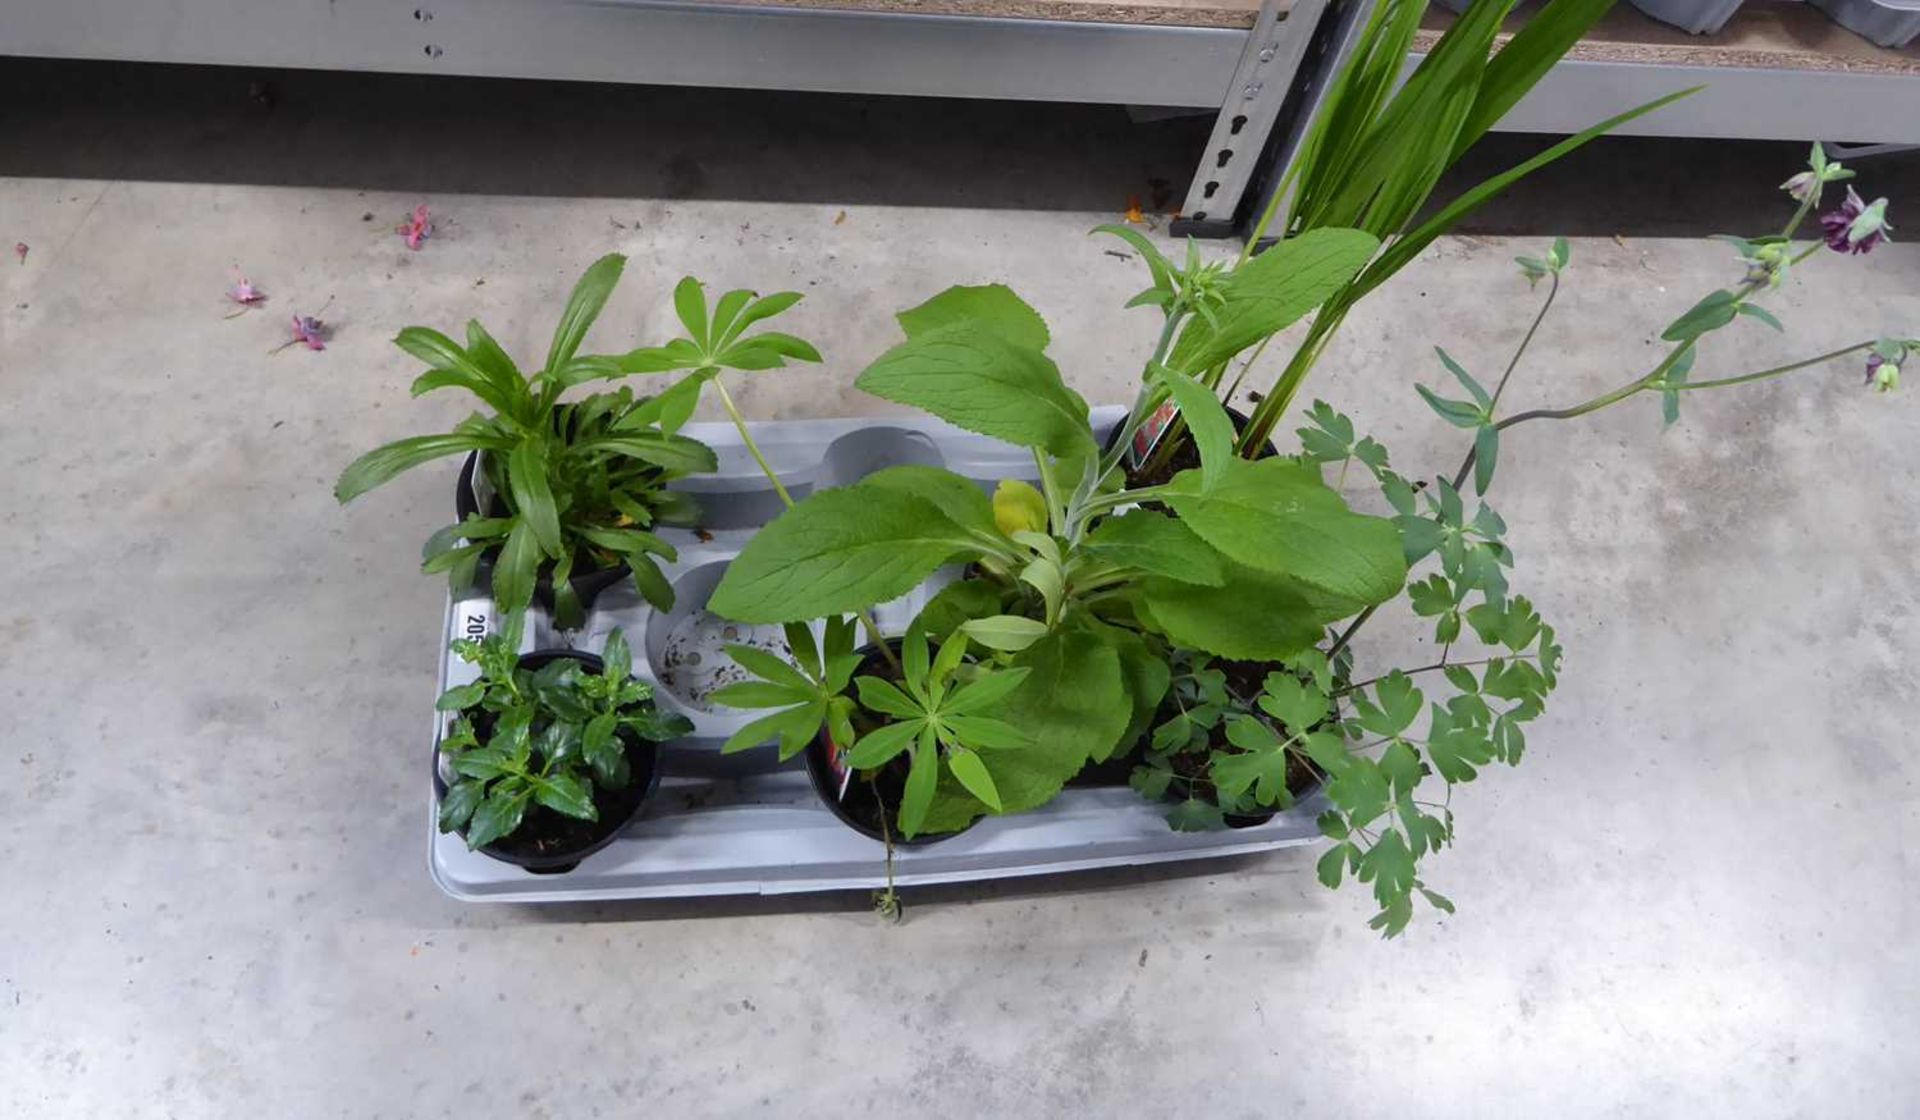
[(1017, 506)]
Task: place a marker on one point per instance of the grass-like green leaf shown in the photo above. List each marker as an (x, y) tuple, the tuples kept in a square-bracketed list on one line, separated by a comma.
[(583, 307), (383, 463)]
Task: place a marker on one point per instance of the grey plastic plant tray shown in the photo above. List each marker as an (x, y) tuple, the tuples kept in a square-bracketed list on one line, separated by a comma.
[(744, 823)]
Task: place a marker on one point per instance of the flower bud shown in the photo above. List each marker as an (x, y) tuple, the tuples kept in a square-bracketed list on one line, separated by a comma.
[(1882, 374), (1018, 507), (1801, 185)]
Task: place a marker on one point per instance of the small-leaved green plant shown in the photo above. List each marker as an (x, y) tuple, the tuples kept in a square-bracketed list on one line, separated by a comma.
[(543, 736)]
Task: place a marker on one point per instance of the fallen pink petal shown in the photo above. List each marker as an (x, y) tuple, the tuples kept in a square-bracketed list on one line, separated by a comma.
[(20, 250), (418, 228), (244, 293), (310, 331)]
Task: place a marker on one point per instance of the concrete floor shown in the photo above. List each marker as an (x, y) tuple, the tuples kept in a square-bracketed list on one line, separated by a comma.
[(1696, 897)]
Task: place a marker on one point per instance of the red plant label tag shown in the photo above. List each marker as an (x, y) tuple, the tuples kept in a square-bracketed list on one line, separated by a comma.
[(1148, 434)]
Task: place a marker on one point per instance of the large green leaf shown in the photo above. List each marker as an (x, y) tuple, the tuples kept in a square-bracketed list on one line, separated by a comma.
[(1155, 543), (516, 568), (1271, 291), (1254, 615), (1276, 515), (383, 463), (957, 497), (837, 551), (583, 307), (1073, 705), (991, 306), (973, 377)]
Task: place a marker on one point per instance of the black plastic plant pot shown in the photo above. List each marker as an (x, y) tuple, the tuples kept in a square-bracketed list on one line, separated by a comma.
[(587, 583), (1187, 455), (552, 843), (858, 799)]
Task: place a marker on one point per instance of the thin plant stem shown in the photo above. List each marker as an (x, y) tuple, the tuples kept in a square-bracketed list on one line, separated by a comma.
[(746, 437), (1552, 291), (786, 499)]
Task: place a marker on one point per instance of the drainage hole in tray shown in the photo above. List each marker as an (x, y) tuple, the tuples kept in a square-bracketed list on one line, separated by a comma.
[(694, 661)]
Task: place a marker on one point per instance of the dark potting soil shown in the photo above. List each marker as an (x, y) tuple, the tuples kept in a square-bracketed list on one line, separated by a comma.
[(872, 801), (546, 834)]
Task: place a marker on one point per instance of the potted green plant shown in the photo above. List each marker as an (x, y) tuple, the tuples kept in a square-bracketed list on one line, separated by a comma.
[(1383, 744), (1082, 581), (882, 734), (549, 754), (573, 488)]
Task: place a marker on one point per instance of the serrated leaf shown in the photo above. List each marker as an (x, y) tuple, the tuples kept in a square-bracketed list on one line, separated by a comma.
[(993, 307), (1388, 865), (962, 501), (974, 378), (1157, 544), (459, 802), (498, 815), (1253, 615), (1271, 291), (565, 793), (1278, 516), (837, 551), (460, 697)]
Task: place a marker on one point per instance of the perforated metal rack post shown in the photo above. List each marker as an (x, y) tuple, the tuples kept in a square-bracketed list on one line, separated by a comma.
[(1267, 79)]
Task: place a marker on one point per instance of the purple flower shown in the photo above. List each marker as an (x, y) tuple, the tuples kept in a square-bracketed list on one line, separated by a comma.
[(1856, 227)]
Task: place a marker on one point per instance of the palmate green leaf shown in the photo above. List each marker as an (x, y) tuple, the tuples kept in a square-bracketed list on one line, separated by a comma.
[(1271, 291), (923, 778), (690, 304), (973, 377), (1157, 544), (972, 773), (383, 463), (1278, 516), (882, 743), (1253, 615), (1388, 865), (838, 551), (793, 728), (991, 306), (1298, 706), (1208, 424), (583, 307), (769, 668), (1151, 781), (959, 498), (1072, 704), (1334, 863)]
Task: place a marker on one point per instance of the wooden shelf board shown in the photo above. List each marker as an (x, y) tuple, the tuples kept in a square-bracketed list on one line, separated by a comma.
[(1763, 35), (1166, 13)]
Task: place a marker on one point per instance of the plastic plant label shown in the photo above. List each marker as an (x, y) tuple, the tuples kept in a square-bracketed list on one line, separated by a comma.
[(1147, 436)]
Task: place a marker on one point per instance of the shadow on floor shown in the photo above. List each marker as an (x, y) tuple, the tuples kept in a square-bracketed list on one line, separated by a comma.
[(404, 132)]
